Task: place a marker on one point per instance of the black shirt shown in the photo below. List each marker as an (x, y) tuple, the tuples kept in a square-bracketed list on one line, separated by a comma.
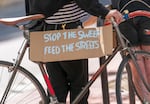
[(131, 5), (49, 7)]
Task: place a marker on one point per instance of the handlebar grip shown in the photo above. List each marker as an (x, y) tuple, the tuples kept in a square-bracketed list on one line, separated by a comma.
[(130, 15)]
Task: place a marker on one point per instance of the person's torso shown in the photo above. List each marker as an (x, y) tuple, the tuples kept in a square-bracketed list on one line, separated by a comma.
[(70, 12)]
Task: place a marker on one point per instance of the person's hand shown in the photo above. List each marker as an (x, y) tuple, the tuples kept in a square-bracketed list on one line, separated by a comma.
[(116, 14)]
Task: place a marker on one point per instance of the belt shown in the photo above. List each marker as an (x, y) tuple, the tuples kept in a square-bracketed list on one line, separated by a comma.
[(71, 25)]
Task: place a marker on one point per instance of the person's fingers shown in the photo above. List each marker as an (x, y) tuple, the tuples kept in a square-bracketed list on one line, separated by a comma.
[(118, 19), (116, 14)]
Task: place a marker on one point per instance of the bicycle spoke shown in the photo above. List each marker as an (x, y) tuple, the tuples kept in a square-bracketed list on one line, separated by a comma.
[(24, 90)]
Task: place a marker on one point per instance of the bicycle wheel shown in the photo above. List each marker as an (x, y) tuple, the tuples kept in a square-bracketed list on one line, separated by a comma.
[(121, 77), (25, 88)]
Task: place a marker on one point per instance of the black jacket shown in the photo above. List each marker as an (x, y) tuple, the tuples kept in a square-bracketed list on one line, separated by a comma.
[(49, 7), (131, 5)]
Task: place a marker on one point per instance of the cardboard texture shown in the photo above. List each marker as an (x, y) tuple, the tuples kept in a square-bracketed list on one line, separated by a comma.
[(71, 44)]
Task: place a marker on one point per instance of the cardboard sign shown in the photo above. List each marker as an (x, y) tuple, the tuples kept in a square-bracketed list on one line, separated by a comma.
[(71, 44)]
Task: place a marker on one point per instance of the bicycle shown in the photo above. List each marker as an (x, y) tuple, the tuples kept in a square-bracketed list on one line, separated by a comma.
[(39, 95), (128, 54)]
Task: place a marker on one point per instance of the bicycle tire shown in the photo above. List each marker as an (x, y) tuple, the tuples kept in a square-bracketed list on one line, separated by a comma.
[(119, 77), (26, 88)]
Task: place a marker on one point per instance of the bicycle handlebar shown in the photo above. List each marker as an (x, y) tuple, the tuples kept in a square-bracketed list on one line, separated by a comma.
[(136, 14), (130, 15)]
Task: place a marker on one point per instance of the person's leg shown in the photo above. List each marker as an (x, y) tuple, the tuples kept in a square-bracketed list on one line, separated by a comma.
[(58, 76), (140, 62), (140, 88), (147, 62), (143, 63), (133, 30), (77, 72), (145, 39), (58, 80), (130, 31)]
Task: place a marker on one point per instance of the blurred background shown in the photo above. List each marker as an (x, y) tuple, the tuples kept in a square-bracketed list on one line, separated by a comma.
[(10, 8), (8, 2)]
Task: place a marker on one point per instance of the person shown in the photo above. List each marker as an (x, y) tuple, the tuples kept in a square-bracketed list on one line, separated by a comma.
[(72, 75), (135, 31)]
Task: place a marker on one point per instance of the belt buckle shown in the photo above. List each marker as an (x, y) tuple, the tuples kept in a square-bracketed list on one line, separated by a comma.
[(63, 26)]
